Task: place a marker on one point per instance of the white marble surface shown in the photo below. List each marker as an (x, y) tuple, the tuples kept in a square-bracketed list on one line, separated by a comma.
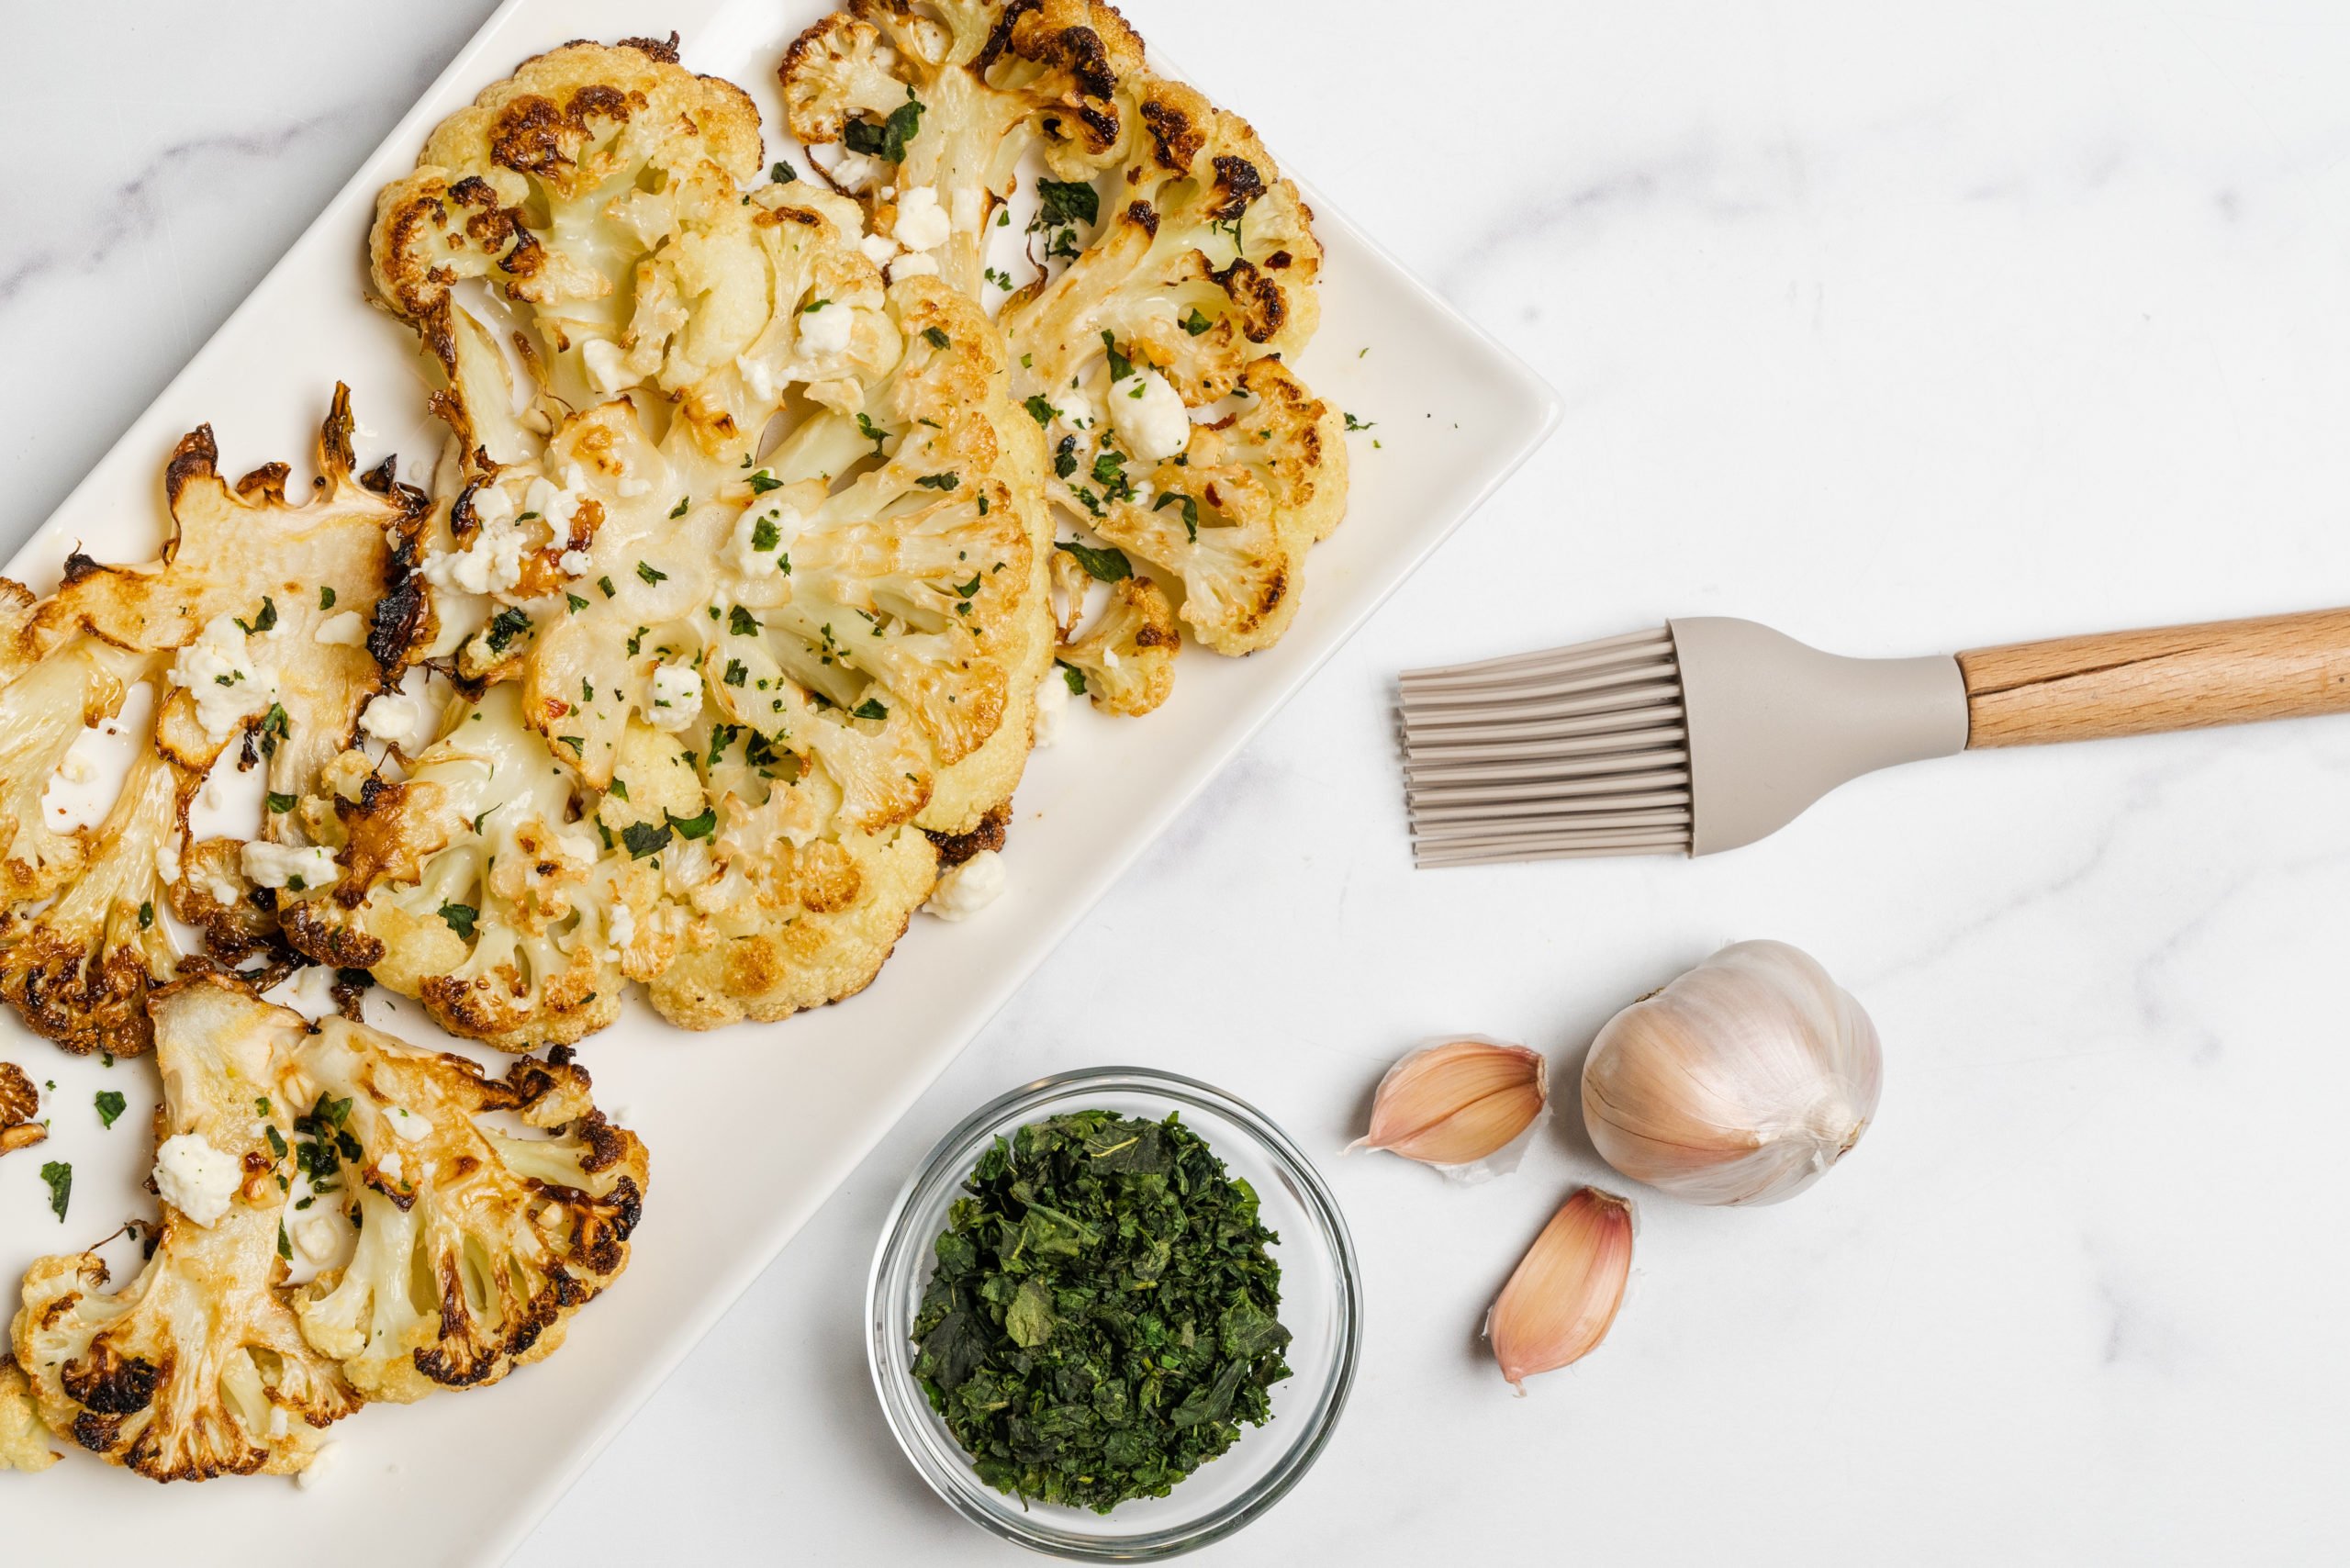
[(1903, 326)]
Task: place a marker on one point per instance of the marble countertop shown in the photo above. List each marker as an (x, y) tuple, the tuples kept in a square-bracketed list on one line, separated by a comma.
[(1904, 327)]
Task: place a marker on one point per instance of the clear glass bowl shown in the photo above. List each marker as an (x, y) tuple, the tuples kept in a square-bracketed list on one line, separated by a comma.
[(1321, 1305)]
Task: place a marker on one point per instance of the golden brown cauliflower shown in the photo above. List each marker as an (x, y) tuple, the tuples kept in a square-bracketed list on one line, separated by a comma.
[(760, 569), (197, 1368), (1154, 357), (258, 628), (1126, 661), (20, 1103), (24, 1441), (478, 1242), (487, 883)]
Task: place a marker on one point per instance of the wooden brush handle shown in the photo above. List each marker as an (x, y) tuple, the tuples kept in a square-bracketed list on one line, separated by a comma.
[(2172, 678)]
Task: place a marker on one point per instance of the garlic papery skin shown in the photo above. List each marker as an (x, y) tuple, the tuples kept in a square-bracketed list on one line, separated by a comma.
[(1466, 1105), (1741, 1083), (1562, 1299)]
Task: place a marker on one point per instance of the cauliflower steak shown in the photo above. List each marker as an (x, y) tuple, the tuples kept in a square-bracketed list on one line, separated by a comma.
[(259, 628), (1174, 275), (197, 1368), (477, 1244), (754, 584), (488, 1212)]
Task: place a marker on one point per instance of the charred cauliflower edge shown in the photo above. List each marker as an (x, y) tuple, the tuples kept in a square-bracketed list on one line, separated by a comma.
[(476, 1246)]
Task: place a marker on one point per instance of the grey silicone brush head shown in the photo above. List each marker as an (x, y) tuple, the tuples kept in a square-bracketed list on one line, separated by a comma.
[(1707, 735)]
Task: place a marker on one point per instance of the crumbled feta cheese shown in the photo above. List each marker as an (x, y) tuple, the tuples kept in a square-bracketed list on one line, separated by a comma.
[(879, 249), (857, 170), (552, 501), (213, 881), (1075, 408), (623, 930), (677, 696), (411, 1128), (389, 1166), (606, 366), (221, 674), (744, 549), (758, 376), (267, 865), (167, 859), (1052, 707), (491, 504), (968, 888), (923, 224), (492, 563), (196, 1178), (574, 563), (328, 1456), (827, 331), (913, 266), (404, 719), (314, 1237), (1150, 418), (348, 630)]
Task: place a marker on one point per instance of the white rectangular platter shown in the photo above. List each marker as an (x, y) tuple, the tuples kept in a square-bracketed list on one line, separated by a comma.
[(750, 1128)]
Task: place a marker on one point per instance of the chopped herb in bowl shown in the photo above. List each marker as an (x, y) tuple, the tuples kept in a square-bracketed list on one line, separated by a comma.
[(1103, 1317)]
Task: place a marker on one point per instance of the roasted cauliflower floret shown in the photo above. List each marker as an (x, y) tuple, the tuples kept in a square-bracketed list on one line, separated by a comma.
[(197, 1368), (43, 712), (477, 1244), (1232, 521), (20, 1103), (489, 885), (990, 81), (516, 185), (1127, 657), (1154, 357), (259, 627), (24, 1441), (78, 970), (604, 188), (787, 925)]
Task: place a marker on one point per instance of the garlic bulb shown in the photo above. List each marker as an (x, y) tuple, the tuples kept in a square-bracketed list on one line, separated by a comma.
[(1741, 1083), (1463, 1105), (1562, 1298)]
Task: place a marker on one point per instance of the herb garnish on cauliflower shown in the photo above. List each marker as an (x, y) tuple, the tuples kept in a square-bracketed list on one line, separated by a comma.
[(196, 1368), (1154, 360), (762, 667), (243, 626)]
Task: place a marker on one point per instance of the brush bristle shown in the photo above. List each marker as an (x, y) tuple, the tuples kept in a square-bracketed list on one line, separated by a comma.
[(1579, 751)]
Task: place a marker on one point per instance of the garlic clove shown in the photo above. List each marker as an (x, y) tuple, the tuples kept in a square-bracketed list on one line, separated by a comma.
[(1458, 1103), (1741, 1083), (1562, 1297)]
